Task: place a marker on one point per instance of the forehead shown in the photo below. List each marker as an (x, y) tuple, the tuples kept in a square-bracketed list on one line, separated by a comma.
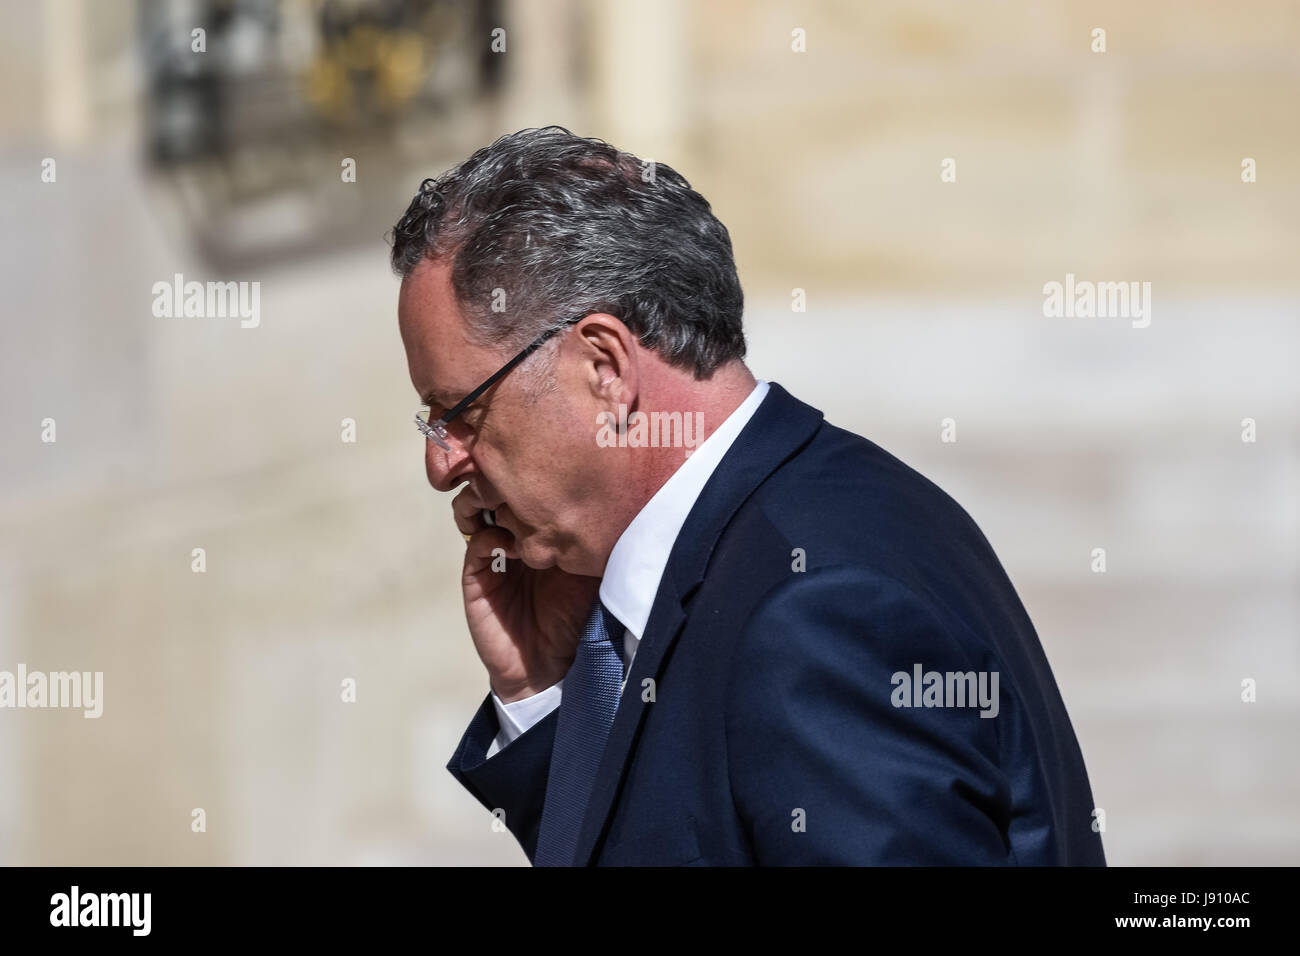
[(426, 308), (438, 351)]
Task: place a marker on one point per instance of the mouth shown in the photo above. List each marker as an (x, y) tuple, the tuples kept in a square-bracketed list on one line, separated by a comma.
[(493, 516)]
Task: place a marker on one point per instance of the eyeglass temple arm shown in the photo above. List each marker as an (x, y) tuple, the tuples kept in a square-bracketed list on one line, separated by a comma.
[(465, 402)]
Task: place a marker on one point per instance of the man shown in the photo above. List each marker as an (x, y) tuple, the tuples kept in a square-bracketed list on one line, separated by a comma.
[(764, 642)]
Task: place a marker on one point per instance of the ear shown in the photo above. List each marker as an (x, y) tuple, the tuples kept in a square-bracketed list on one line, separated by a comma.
[(609, 355)]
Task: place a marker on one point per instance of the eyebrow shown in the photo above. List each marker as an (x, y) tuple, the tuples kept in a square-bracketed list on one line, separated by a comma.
[(432, 395)]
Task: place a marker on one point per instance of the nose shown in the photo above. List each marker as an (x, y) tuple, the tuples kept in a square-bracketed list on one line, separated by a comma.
[(447, 469)]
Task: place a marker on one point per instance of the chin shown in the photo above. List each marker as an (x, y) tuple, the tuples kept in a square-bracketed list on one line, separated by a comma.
[(537, 557)]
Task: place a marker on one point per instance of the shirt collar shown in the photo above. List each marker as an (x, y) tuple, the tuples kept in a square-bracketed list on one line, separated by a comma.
[(640, 555)]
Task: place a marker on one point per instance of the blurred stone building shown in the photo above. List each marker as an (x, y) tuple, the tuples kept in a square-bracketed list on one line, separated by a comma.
[(328, 560)]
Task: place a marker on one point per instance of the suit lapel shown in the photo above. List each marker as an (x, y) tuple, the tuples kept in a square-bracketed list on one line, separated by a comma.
[(780, 427)]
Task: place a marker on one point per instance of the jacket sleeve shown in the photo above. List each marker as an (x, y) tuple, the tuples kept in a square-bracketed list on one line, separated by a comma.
[(512, 780), (826, 766)]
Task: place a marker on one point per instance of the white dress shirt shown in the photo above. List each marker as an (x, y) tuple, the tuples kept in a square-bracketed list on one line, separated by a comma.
[(637, 563)]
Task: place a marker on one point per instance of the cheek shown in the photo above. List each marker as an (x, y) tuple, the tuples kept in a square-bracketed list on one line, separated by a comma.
[(550, 478), (547, 460), (516, 471)]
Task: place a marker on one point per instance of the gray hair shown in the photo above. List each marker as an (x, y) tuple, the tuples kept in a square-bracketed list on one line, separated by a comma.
[(544, 225)]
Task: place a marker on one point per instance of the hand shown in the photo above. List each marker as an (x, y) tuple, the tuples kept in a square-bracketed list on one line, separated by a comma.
[(525, 623)]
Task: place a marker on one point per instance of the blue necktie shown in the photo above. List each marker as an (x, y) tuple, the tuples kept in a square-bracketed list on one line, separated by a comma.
[(587, 708)]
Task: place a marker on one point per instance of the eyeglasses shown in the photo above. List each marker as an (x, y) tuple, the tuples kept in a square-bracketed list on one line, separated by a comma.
[(436, 430)]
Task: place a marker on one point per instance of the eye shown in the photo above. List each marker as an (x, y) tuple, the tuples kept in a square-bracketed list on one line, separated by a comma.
[(431, 413)]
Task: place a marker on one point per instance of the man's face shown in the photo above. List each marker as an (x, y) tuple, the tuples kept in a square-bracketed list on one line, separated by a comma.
[(529, 456)]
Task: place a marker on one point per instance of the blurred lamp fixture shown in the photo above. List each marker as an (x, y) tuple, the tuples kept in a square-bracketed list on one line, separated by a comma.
[(252, 105)]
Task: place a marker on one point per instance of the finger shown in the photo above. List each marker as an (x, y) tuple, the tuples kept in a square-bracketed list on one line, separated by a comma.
[(466, 510), (479, 550), (485, 540)]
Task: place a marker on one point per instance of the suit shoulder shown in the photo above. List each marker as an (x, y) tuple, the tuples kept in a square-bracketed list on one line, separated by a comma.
[(841, 501), (848, 493)]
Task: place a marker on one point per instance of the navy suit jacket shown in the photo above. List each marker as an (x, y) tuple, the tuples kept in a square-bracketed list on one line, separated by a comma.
[(760, 722)]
